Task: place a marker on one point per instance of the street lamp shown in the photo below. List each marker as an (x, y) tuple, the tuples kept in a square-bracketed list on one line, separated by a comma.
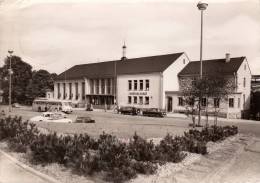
[(201, 6), (10, 80)]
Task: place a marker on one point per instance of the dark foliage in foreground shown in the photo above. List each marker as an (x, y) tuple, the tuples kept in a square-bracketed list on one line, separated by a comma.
[(117, 160)]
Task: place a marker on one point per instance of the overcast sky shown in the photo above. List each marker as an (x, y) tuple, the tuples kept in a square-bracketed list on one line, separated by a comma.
[(57, 34)]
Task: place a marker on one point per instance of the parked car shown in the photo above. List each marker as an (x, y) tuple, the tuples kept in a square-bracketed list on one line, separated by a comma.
[(128, 110), (51, 117), (84, 119), (16, 105), (154, 112)]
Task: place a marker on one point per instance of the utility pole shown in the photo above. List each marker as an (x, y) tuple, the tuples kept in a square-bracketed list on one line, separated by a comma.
[(10, 80)]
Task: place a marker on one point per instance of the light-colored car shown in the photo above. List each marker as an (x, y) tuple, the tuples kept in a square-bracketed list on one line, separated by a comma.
[(51, 117)]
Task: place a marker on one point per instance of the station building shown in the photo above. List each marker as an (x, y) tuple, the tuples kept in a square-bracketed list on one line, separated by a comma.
[(140, 82)]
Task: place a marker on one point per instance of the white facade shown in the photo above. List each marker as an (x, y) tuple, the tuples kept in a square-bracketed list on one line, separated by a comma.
[(159, 84)]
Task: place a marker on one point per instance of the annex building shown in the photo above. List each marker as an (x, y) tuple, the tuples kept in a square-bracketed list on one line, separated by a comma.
[(140, 82), (236, 70)]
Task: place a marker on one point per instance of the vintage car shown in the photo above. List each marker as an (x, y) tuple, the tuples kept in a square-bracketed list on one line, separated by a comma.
[(58, 117), (128, 110), (154, 112), (84, 119)]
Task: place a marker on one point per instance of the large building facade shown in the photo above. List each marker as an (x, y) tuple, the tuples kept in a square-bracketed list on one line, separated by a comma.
[(139, 82)]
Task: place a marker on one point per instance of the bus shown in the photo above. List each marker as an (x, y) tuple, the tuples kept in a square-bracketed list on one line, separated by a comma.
[(44, 104)]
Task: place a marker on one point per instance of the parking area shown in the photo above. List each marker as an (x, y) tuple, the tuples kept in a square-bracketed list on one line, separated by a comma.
[(123, 126)]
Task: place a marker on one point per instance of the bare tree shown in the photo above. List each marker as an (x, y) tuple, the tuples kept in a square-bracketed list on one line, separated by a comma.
[(209, 87)]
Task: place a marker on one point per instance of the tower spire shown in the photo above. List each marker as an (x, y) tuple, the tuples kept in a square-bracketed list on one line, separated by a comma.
[(124, 52)]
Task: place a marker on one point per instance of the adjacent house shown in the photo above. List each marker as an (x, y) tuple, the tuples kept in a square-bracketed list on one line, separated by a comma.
[(234, 69)]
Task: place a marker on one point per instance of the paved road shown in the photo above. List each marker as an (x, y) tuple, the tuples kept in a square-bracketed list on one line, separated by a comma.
[(12, 173)]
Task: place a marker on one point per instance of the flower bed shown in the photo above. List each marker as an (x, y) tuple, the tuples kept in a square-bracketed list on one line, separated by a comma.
[(118, 161)]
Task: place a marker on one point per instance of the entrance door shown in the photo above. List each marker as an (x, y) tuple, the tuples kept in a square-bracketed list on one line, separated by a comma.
[(169, 105)]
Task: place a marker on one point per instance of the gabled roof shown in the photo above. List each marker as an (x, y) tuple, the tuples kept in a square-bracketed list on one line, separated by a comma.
[(212, 67), (129, 66)]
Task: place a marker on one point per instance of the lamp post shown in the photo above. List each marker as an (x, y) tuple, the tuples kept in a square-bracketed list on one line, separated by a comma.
[(10, 80), (201, 6)]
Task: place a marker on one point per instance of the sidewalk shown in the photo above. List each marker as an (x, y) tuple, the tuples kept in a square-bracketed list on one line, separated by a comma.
[(13, 171)]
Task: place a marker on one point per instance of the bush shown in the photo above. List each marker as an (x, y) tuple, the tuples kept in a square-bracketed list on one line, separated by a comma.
[(141, 150), (169, 149), (119, 161)]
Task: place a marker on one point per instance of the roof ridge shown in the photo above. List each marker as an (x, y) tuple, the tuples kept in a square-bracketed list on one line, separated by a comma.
[(131, 58), (217, 59)]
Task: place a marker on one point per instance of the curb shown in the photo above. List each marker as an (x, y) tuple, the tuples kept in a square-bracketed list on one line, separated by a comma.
[(247, 148), (29, 169)]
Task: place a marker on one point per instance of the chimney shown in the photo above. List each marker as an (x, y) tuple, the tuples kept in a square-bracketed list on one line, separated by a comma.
[(227, 57), (124, 52)]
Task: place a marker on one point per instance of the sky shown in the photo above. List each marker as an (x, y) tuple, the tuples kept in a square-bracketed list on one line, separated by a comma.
[(58, 34)]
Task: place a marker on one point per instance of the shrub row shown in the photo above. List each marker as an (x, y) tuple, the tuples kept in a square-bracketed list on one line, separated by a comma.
[(117, 160)]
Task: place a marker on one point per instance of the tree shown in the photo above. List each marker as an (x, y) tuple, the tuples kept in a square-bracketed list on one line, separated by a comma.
[(41, 81), (21, 74), (208, 87)]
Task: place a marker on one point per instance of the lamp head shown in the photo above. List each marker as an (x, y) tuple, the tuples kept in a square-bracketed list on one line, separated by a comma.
[(10, 52), (202, 6)]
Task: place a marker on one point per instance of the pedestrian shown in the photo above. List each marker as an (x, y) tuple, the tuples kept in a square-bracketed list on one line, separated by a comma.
[(258, 116), (2, 114)]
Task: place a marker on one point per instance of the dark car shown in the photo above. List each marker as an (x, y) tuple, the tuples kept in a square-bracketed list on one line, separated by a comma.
[(84, 119), (154, 112), (128, 110), (89, 107)]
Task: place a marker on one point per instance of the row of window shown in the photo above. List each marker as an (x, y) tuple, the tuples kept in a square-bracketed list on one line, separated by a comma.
[(142, 100), (70, 91), (143, 84), (95, 84), (231, 102)]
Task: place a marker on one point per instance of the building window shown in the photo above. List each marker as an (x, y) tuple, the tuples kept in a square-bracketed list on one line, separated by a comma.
[(244, 100), (141, 100), (146, 100), (216, 102), (77, 90), (108, 86), (64, 91), (58, 90), (184, 61), (102, 86), (231, 102), (135, 100), (141, 82), (204, 102), (70, 94), (180, 101), (92, 86), (129, 99), (97, 86), (238, 103), (147, 85), (245, 67), (83, 90), (135, 84), (244, 83), (129, 84)]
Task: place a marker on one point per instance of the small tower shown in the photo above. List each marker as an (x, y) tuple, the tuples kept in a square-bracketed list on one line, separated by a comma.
[(124, 52)]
